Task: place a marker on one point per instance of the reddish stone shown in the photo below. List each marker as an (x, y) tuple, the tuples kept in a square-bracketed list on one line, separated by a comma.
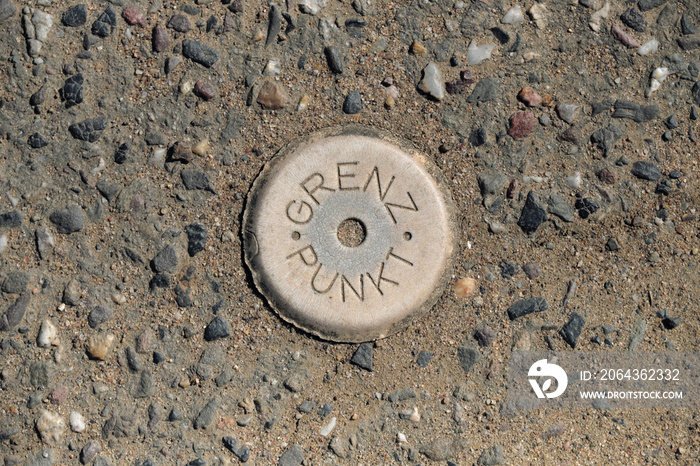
[(58, 395), (161, 40), (529, 97), (134, 16), (204, 90), (521, 125), (607, 176)]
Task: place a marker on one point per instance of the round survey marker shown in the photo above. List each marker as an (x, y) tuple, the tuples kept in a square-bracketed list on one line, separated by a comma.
[(349, 234)]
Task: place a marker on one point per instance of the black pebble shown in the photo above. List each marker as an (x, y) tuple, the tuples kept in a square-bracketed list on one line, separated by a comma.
[(75, 16), (37, 141), (353, 103), (363, 356)]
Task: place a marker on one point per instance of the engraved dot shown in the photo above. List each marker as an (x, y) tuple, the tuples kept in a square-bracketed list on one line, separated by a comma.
[(407, 236), (351, 232), (296, 235)]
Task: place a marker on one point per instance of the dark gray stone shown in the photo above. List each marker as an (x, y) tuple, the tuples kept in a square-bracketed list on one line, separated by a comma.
[(572, 329), (88, 130), (557, 205), (526, 306), (486, 90), (687, 26), (102, 461), (89, 452), (242, 452), (424, 358), (605, 138), (646, 5), (222, 379), (193, 179), (75, 16), (133, 361), (468, 356), (40, 374), (695, 91), (196, 238), (10, 219), (478, 137), (15, 282), (646, 170), (72, 90), (180, 23), (105, 23), (292, 457), (206, 415), (155, 415), (363, 356), (107, 189), (634, 111), (334, 59), (199, 52), (68, 220), (532, 215), (37, 141), (306, 407), (274, 24), (353, 103), (145, 385), (175, 415), (401, 395), (599, 107), (197, 462), (99, 316), (671, 122), (166, 260), (182, 296), (216, 329), (688, 43), (634, 19), (7, 10)]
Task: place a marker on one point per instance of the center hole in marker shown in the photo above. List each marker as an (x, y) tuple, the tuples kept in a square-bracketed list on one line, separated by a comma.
[(351, 232)]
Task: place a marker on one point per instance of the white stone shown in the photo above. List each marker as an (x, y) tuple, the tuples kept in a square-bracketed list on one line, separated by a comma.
[(311, 7), (50, 427), (598, 17), (574, 181), (48, 334), (3, 243), (514, 15), (327, 27), (77, 422), (401, 437), (42, 23), (537, 12), (650, 46), (432, 83), (657, 77), (328, 428), (478, 53), (273, 68)]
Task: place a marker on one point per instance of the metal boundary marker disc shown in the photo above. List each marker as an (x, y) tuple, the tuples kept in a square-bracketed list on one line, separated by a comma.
[(349, 233)]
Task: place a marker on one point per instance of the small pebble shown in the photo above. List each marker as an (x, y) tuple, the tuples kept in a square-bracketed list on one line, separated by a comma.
[(465, 287)]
